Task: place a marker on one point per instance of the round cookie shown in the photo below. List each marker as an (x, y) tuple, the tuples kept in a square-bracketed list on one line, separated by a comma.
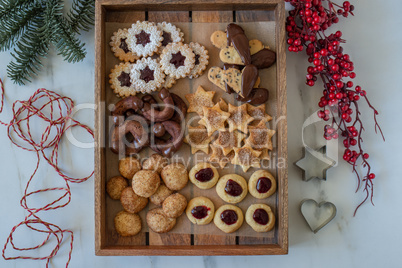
[(127, 224), (174, 205), (155, 162), (170, 34), (261, 184), (232, 188), (158, 222), (146, 75), (132, 202), (145, 183), (200, 210), (228, 218), (120, 48), (177, 60), (144, 38), (115, 187), (128, 166), (160, 195), (204, 175), (120, 81), (175, 176), (260, 217), (201, 60)]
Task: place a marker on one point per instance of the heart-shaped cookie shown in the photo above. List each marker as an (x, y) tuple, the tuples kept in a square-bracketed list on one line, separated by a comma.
[(317, 215)]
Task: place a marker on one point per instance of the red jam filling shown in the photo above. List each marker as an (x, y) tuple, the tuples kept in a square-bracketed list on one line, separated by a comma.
[(147, 74), (204, 175), (143, 38), (229, 217), (261, 216), (263, 185), (200, 212), (233, 188), (177, 59)]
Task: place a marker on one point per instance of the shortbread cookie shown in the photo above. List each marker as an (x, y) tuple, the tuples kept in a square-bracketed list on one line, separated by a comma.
[(200, 210), (158, 222), (115, 187), (127, 224), (214, 119), (255, 46), (145, 183), (239, 119), (198, 139), (258, 113), (216, 76), (160, 195), (120, 47), (199, 99), (132, 202), (174, 205), (175, 176), (204, 175), (261, 184), (144, 38), (219, 39), (201, 60), (260, 137), (232, 188), (217, 156), (228, 218), (128, 166), (155, 162), (232, 77), (147, 75), (120, 80), (246, 157), (177, 60), (260, 217), (170, 34), (229, 54), (227, 141)]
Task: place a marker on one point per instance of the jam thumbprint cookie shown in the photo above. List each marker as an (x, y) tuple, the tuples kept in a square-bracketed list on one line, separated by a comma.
[(204, 175), (200, 210), (232, 188), (260, 217), (261, 184), (228, 218)]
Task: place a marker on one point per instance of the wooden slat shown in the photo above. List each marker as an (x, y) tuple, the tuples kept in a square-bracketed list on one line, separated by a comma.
[(169, 16), (124, 16), (212, 16)]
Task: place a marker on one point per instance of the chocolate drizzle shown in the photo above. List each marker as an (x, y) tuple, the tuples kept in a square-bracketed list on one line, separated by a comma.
[(178, 59), (143, 38), (231, 30), (240, 43), (248, 78), (124, 79), (167, 38), (123, 45), (147, 74)]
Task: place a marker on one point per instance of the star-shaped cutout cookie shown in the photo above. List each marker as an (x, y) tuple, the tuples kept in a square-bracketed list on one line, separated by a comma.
[(246, 157), (199, 99), (258, 113), (217, 156), (214, 119), (228, 140), (239, 118), (264, 154), (260, 137), (224, 106), (197, 137)]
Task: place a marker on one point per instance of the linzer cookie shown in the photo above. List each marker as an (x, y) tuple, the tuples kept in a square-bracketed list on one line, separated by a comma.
[(177, 60), (147, 75), (169, 82), (144, 38), (201, 60), (170, 34), (120, 80), (119, 46)]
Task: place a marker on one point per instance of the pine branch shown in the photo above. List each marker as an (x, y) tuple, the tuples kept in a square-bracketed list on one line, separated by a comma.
[(82, 14), (11, 6)]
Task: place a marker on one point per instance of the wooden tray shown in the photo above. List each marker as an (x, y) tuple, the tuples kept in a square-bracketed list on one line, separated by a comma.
[(125, 11)]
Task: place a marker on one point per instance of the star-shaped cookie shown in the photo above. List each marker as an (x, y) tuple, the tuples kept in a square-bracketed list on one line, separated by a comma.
[(228, 140), (246, 157), (260, 137), (239, 118), (197, 137), (217, 156), (224, 106), (258, 113), (199, 99), (214, 119), (264, 154)]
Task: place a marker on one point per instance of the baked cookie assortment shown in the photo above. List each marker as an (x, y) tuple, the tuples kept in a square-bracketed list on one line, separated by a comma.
[(260, 218), (228, 218), (200, 210)]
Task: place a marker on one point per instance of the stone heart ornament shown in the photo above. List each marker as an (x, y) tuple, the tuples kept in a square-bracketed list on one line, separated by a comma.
[(317, 215)]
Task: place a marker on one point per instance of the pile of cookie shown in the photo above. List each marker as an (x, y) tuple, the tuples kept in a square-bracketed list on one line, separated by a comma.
[(232, 189), (233, 125), (242, 58), (154, 57), (139, 184)]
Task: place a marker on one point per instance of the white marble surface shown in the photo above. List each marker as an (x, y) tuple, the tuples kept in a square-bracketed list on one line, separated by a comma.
[(371, 239)]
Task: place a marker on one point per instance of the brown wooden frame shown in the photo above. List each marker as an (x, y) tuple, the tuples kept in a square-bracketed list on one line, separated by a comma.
[(121, 8)]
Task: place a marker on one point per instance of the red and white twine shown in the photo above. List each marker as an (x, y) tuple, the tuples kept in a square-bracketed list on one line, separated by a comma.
[(55, 110)]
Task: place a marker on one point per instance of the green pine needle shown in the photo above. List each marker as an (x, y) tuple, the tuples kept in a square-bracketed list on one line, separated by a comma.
[(82, 15)]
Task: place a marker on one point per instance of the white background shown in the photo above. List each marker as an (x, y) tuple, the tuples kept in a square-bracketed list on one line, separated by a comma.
[(371, 239)]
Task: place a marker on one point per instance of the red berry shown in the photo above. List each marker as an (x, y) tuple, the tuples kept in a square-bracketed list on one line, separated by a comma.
[(371, 176), (366, 156)]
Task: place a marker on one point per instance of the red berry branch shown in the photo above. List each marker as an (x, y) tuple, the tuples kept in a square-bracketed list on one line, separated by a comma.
[(305, 26)]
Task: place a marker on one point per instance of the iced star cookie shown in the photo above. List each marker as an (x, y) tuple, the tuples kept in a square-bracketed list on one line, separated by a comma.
[(214, 119), (204, 175), (228, 218), (198, 139), (144, 38), (246, 157), (262, 184), (119, 46), (227, 141), (199, 99), (120, 80), (200, 210), (232, 188), (201, 60), (170, 34), (147, 75), (260, 217), (239, 119), (177, 60)]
